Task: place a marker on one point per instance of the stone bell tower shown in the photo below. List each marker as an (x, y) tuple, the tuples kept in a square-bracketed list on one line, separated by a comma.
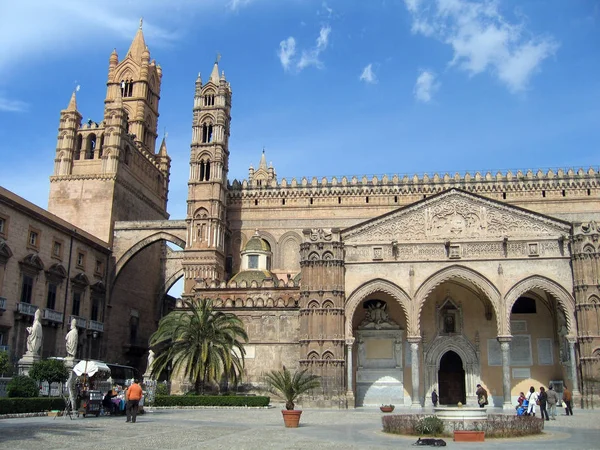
[(108, 171), (322, 342), (207, 185)]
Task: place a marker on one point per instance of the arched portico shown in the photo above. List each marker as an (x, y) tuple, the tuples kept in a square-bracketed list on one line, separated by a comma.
[(460, 275), (371, 287)]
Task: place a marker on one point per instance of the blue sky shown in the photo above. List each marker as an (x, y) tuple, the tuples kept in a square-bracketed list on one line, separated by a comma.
[(343, 87)]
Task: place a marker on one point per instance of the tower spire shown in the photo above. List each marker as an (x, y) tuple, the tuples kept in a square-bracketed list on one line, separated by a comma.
[(73, 102), (138, 45), (214, 76)]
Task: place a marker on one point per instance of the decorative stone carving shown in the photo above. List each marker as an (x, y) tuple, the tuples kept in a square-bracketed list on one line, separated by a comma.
[(377, 317), (453, 215), (322, 234)]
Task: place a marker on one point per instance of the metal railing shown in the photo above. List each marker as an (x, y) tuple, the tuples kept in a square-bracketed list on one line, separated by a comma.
[(52, 316), (95, 326), (3, 302), (81, 322), (26, 308)]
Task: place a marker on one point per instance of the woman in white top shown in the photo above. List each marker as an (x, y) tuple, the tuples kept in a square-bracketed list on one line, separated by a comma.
[(532, 399)]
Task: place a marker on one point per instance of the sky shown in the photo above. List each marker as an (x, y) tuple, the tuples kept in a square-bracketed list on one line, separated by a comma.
[(342, 87)]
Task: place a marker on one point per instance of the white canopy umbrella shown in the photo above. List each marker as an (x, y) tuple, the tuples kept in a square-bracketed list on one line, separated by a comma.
[(90, 368)]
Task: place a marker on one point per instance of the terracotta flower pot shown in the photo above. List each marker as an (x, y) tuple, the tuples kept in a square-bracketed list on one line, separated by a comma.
[(469, 436), (291, 418), (387, 408)]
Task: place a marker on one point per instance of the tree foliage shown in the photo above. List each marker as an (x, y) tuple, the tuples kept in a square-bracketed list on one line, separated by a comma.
[(50, 370), (4, 362), (290, 386), (203, 344)]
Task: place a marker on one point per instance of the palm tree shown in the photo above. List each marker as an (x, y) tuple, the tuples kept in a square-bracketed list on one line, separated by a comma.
[(289, 387), (201, 343)]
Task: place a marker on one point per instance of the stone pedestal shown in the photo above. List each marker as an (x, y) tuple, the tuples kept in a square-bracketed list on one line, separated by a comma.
[(25, 363)]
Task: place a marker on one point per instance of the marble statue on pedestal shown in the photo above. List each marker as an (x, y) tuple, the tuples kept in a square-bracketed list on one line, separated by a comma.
[(72, 339), (34, 340)]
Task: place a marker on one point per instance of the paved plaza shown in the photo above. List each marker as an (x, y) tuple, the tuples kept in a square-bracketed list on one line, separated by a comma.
[(262, 429)]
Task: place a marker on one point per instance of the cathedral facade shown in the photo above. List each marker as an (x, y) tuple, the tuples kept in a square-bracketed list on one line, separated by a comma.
[(387, 287)]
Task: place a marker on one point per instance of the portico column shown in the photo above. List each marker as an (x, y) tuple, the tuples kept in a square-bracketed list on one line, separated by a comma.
[(573, 367), (349, 386), (414, 369), (505, 348)]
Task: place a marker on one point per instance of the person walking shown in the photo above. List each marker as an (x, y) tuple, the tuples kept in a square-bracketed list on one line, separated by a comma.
[(532, 401), (133, 397), (434, 398), (482, 396), (543, 399), (552, 398), (568, 398)]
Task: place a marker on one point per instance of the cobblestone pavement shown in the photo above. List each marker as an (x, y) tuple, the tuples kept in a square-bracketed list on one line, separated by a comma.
[(263, 429)]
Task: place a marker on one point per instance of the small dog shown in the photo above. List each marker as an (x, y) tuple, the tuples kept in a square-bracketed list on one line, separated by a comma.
[(431, 442)]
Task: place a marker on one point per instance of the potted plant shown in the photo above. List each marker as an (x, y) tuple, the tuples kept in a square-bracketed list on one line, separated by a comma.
[(387, 408), (289, 386)]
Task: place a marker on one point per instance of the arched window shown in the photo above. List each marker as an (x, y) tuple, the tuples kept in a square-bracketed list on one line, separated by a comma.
[(126, 155), (201, 170), (100, 146), (207, 132), (90, 146), (207, 171), (204, 170), (127, 88), (78, 146)]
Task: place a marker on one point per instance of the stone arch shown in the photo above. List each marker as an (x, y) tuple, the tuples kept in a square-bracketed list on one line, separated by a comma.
[(140, 245), (313, 304), (288, 254), (313, 355), (328, 355), (452, 273), (464, 348), (563, 297), (377, 285)]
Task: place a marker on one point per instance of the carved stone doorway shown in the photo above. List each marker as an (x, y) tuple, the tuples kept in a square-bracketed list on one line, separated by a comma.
[(451, 379)]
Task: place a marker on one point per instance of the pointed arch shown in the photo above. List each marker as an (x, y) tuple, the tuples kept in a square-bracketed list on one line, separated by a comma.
[(458, 273), (371, 287), (563, 297), (140, 245)]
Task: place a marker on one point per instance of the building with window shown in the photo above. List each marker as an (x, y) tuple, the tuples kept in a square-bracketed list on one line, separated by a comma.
[(387, 286), (41, 268)]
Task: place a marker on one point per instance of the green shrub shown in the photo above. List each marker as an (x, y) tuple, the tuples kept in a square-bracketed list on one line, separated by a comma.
[(431, 425), (22, 386), (30, 405), (210, 400), (162, 389)]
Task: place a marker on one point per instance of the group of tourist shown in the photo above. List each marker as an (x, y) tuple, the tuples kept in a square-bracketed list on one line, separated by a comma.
[(526, 405), (545, 399), (131, 396)]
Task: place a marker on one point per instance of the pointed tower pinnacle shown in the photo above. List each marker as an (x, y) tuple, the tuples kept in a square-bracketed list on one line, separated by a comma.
[(73, 102), (138, 45), (214, 76), (263, 161), (163, 147)]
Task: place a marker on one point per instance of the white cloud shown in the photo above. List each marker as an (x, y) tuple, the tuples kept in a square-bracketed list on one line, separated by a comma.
[(368, 76), (7, 105), (235, 4), (482, 39), (311, 57), (426, 86), (35, 29), (287, 50)]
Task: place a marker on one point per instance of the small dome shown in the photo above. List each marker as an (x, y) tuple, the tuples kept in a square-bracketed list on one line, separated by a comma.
[(257, 244), (253, 275)]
